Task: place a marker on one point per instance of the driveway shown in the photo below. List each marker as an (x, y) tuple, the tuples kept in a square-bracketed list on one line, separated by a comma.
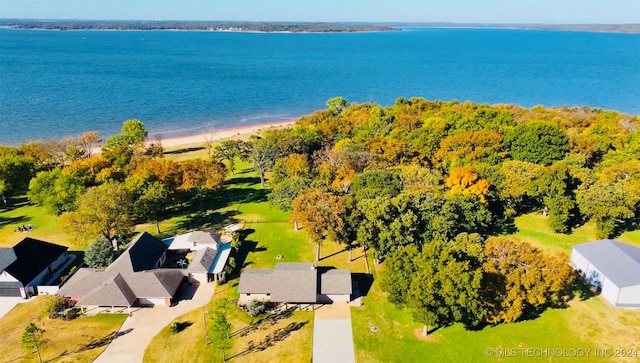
[(332, 334), (139, 329)]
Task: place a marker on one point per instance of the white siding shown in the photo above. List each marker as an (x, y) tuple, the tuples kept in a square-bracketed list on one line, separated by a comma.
[(151, 301), (610, 291), (48, 290), (629, 295), (200, 277), (339, 298), (579, 262), (246, 298), (594, 276), (7, 277)]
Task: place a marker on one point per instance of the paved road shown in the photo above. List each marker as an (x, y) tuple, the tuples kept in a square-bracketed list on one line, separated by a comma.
[(332, 334), (139, 329)]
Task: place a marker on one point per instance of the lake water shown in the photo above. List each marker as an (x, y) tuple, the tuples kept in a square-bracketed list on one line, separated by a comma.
[(60, 83)]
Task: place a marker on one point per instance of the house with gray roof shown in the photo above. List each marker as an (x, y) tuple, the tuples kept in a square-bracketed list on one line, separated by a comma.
[(135, 278), (28, 264), (295, 283), (611, 266)]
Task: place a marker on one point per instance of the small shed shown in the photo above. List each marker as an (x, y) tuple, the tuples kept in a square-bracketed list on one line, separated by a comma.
[(611, 266)]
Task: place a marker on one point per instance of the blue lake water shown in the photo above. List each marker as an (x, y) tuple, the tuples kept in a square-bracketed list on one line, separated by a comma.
[(60, 83)]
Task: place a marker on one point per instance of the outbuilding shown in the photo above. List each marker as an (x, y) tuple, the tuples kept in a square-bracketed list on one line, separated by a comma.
[(611, 266)]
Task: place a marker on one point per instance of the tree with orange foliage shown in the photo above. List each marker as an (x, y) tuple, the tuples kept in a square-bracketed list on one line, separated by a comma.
[(201, 175), (463, 180), (518, 275), (322, 215)]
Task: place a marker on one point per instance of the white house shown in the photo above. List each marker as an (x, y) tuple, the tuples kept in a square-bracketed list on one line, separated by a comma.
[(611, 266), (28, 264)]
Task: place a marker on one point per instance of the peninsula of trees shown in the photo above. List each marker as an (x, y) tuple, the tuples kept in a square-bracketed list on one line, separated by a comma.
[(291, 27), (430, 188)]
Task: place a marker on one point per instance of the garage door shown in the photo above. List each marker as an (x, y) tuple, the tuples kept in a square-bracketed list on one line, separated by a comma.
[(10, 291)]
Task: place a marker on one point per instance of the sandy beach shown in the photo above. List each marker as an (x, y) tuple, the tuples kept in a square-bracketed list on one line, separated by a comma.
[(219, 134)]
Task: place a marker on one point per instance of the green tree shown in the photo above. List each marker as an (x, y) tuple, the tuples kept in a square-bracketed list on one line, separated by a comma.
[(447, 285), (228, 150), (400, 268), (15, 172), (286, 191), (537, 142), (613, 201), (264, 153), (135, 131), (104, 210), (375, 183), (152, 203), (55, 190), (337, 105), (33, 337), (99, 254)]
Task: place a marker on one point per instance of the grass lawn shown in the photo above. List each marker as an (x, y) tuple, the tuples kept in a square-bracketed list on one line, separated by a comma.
[(48, 227), (267, 234), (293, 344), (79, 340), (533, 229), (590, 323)]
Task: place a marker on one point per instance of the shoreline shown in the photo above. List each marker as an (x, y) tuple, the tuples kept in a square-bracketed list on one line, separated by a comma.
[(216, 134), (202, 137)]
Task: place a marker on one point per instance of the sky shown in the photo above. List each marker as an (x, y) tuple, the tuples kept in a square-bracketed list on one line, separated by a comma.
[(458, 11)]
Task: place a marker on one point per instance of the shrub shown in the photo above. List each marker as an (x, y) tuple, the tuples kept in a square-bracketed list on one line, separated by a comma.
[(174, 328), (255, 308)]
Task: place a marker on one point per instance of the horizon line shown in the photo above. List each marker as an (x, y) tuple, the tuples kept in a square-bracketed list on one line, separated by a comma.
[(316, 22)]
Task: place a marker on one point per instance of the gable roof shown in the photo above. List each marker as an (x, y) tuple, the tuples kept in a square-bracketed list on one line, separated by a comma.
[(294, 282), (255, 281), (335, 282), (140, 254), (619, 262), (203, 260), (29, 258), (113, 292), (7, 257), (132, 275), (195, 240)]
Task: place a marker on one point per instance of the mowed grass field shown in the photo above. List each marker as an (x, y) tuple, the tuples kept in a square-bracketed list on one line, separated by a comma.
[(589, 324), (79, 340)]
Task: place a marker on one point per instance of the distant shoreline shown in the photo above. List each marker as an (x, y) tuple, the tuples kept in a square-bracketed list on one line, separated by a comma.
[(293, 27)]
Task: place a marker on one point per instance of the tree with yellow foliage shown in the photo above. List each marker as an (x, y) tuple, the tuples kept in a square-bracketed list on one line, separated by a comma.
[(463, 180)]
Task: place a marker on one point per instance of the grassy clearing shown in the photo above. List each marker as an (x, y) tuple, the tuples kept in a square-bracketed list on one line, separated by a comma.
[(79, 340), (48, 227), (533, 229), (590, 323)]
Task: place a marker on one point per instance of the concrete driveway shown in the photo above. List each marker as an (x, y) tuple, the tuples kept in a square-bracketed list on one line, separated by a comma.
[(139, 329), (332, 334)]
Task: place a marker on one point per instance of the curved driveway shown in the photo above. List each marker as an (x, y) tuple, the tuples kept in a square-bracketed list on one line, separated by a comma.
[(139, 329)]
